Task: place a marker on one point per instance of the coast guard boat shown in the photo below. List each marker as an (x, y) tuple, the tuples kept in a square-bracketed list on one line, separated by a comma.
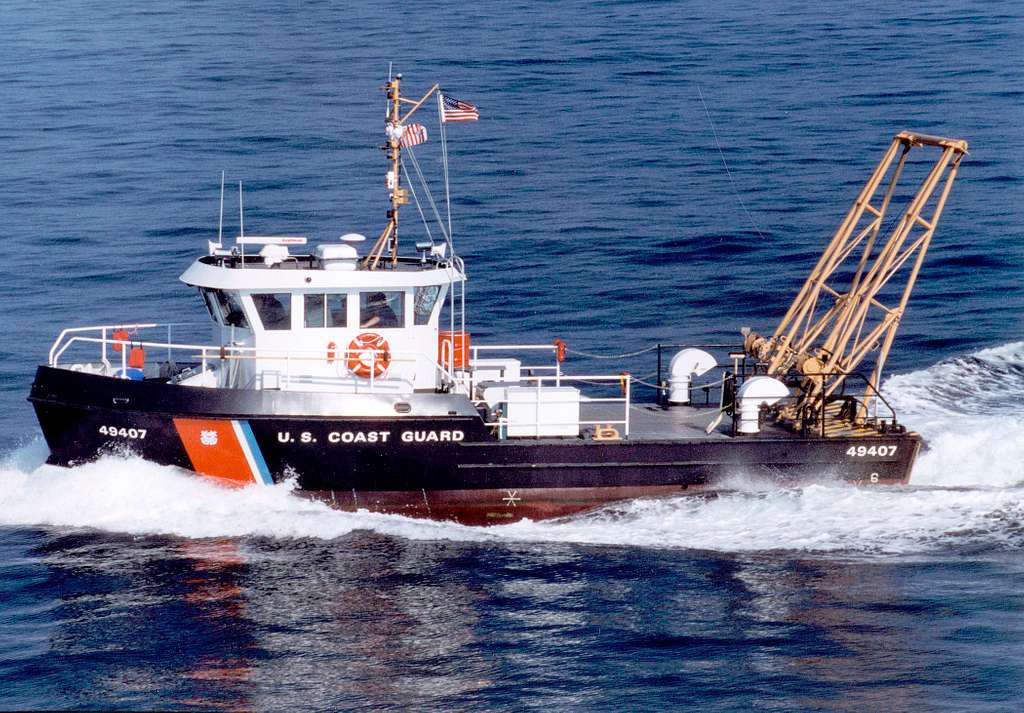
[(350, 369)]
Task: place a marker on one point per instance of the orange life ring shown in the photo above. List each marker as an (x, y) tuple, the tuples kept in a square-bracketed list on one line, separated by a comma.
[(119, 335), (368, 355), (331, 351)]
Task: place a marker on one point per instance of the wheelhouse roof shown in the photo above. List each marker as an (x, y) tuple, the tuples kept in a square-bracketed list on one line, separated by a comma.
[(304, 272)]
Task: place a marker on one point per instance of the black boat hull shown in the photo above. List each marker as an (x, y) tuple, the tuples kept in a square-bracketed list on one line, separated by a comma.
[(442, 467)]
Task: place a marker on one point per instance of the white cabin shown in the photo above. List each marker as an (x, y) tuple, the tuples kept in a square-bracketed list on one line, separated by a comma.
[(324, 321)]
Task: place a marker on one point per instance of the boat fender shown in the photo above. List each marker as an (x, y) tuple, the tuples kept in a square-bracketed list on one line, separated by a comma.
[(332, 352), (756, 392), (119, 335), (559, 350), (684, 365), (137, 356), (368, 355)]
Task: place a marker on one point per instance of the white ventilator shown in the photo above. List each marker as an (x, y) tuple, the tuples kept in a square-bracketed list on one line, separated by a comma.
[(684, 365), (337, 257), (754, 393), (273, 254)]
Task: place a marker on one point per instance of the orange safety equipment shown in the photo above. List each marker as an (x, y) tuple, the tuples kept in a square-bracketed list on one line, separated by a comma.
[(559, 350), (368, 355), (136, 357), (119, 335), (453, 350)]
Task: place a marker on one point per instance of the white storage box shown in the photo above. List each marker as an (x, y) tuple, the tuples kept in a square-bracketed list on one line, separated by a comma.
[(558, 408), (495, 370)]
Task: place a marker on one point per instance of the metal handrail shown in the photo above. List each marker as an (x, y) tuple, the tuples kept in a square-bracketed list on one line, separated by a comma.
[(104, 328), (475, 349), (626, 382), (207, 352)]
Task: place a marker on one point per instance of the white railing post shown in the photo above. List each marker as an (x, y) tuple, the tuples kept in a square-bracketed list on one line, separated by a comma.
[(536, 410), (629, 390)]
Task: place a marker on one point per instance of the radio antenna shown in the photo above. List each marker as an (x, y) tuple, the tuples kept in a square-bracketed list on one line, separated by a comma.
[(220, 224), (241, 222), (213, 247)]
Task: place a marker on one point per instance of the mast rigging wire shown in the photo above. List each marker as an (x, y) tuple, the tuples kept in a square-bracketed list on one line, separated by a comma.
[(721, 153), (416, 200), (429, 195)]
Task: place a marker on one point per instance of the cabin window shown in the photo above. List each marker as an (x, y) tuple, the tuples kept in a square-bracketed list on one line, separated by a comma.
[(231, 311), (325, 311), (382, 310), (211, 304), (423, 303), (274, 309)]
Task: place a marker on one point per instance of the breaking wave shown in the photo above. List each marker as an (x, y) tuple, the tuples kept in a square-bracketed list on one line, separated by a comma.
[(135, 496), (968, 491), (968, 410)]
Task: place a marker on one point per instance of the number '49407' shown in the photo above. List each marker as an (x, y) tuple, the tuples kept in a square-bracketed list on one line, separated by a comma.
[(133, 433), (865, 451)]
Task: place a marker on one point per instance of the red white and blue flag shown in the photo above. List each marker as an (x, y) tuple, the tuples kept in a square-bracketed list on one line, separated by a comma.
[(457, 110), (414, 135)]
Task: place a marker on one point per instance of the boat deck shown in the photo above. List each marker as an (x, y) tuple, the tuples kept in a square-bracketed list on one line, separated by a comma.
[(650, 422)]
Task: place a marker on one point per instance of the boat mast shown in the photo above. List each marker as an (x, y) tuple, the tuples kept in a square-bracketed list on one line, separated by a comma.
[(395, 128)]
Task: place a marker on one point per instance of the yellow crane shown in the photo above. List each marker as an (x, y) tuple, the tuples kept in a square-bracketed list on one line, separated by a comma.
[(844, 312)]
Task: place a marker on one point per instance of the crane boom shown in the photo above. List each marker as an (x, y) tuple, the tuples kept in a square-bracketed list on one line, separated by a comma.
[(854, 298)]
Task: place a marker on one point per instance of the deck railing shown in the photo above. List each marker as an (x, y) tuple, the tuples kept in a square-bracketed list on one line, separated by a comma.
[(205, 354), (504, 424), (115, 359), (541, 375)]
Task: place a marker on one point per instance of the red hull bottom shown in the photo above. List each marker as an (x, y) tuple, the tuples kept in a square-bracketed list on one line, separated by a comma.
[(500, 507)]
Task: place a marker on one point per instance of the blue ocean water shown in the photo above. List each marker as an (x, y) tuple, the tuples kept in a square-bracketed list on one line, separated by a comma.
[(641, 171)]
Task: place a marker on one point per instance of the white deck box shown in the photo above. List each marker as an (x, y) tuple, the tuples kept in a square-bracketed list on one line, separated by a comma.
[(495, 370), (557, 406)]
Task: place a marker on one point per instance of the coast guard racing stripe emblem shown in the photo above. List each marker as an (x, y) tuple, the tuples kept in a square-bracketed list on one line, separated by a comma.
[(223, 449)]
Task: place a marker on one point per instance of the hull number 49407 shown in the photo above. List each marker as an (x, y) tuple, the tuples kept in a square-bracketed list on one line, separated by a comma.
[(865, 451), (114, 432)]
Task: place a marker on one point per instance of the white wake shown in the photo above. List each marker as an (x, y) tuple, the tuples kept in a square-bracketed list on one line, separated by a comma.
[(968, 410)]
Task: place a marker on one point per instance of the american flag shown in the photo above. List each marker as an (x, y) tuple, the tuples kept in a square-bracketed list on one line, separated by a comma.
[(455, 110), (413, 135)]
